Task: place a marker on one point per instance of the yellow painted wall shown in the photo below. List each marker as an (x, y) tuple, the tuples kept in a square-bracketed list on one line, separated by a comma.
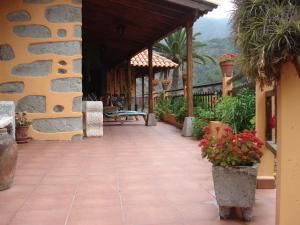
[(288, 189), (39, 85), (266, 167)]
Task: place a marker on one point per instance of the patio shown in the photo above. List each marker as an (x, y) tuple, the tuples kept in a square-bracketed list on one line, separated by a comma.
[(134, 175)]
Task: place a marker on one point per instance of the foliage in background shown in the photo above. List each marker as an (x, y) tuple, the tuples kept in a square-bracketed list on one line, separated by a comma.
[(174, 47), (198, 127), (203, 113), (230, 150), (159, 107), (237, 111), (267, 34), (173, 105)]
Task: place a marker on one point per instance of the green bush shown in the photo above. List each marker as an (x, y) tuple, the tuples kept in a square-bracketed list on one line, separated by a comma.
[(237, 111), (200, 112), (180, 114), (159, 105), (198, 127)]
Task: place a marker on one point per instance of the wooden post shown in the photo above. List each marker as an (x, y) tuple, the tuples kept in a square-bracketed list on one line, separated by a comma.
[(189, 63), (150, 86), (166, 74), (143, 93), (129, 85), (135, 98)]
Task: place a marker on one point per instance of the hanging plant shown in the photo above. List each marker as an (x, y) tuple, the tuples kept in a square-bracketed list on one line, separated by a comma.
[(267, 34), (155, 82)]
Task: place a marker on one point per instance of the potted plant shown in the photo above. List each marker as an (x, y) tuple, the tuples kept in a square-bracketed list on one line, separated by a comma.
[(267, 35), (155, 82), (22, 126), (226, 62), (165, 84), (8, 159), (234, 158)]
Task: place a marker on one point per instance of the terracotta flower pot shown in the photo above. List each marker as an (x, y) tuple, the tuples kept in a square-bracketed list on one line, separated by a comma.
[(22, 134), (155, 82), (8, 160), (227, 68), (165, 84)]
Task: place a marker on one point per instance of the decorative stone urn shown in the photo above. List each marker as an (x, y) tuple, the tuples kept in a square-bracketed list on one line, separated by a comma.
[(8, 159), (235, 188), (227, 68)]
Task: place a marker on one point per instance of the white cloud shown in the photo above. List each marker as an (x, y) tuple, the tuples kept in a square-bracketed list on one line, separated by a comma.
[(223, 11)]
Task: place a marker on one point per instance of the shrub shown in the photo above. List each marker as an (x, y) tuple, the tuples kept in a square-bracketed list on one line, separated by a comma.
[(241, 149), (237, 111), (198, 126), (203, 113)]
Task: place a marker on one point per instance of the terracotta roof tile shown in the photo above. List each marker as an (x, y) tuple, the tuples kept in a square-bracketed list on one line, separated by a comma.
[(141, 60)]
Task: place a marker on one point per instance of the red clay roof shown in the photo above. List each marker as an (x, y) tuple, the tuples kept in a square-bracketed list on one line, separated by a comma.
[(141, 60)]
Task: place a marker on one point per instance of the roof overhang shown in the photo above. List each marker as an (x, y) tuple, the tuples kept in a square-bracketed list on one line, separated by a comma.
[(122, 28)]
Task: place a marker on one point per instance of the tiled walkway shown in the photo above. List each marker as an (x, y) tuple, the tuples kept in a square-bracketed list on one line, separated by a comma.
[(135, 175)]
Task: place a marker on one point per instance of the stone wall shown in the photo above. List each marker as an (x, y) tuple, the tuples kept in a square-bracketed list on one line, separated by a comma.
[(40, 61)]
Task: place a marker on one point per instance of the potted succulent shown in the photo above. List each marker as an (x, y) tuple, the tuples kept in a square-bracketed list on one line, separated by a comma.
[(234, 158), (226, 62), (267, 36), (22, 126)]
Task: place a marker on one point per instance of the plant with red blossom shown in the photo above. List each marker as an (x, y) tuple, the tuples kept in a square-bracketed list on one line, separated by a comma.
[(227, 57), (243, 149)]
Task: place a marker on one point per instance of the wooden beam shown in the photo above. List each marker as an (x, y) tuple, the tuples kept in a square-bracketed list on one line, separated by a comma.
[(189, 63), (150, 86), (129, 85)]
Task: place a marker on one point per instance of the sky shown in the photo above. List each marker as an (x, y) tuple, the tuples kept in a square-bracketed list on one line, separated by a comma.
[(223, 11)]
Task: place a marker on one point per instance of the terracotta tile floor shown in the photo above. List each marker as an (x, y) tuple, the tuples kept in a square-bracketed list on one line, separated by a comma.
[(134, 175)]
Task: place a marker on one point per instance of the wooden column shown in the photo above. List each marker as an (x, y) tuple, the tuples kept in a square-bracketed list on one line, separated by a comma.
[(189, 67), (143, 93), (135, 98), (129, 85), (150, 92)]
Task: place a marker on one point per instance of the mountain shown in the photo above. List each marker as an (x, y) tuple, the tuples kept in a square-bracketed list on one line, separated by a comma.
[(210, 72), (212, 28)]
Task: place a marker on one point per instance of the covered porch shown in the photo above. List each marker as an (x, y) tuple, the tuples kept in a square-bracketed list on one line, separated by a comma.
[(134, 175)]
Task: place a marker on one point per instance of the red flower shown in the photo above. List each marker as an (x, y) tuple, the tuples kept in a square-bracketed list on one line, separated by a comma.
[(227, 129), (213, 101), (272, 122), (244, 157)]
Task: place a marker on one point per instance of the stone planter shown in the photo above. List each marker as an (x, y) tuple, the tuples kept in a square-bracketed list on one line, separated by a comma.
[(235, 187), (22, 134), (227, 68), (8, 160)]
